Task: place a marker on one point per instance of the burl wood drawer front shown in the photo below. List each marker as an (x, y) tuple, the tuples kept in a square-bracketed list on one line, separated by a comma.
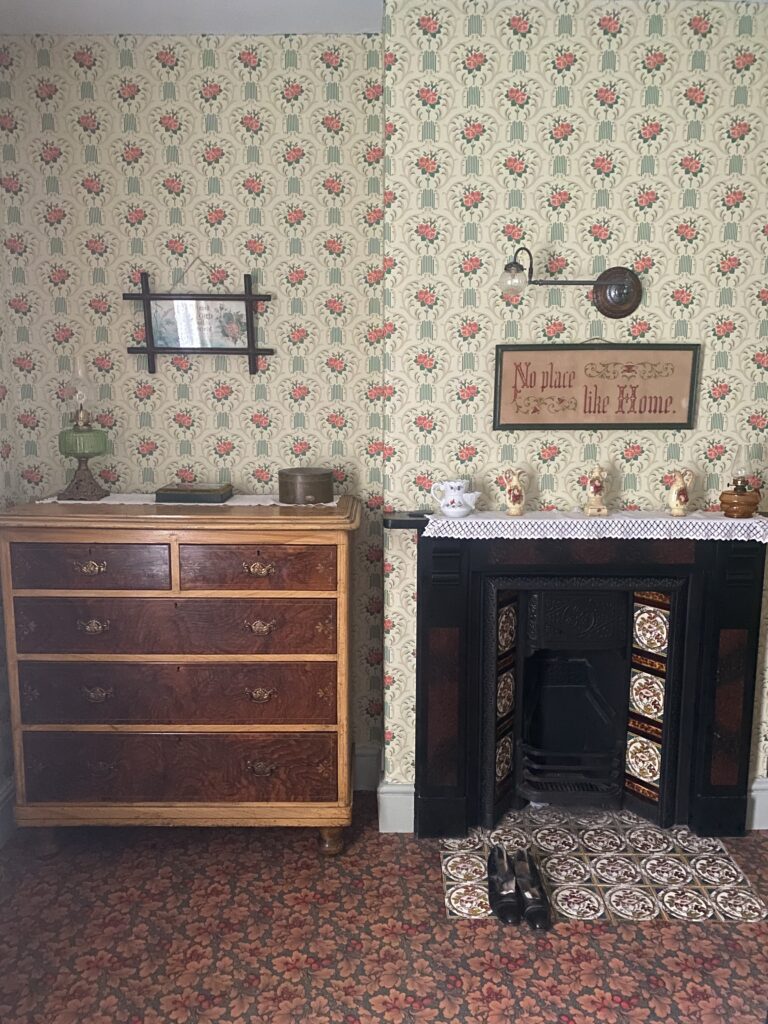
[(193, 767), (258, 566), (63, 693), (90, 566), (134, 625)]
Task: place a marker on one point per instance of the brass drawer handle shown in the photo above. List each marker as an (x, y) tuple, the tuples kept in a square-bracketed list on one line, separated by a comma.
[(260, 628), (260, 569), (101, 769), (93, 626), (89, 568), (259, 695), (97, 694), (260, 768)]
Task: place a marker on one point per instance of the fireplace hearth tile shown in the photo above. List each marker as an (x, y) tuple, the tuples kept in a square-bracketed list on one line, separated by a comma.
[(615, 869), (465, 867), (739, 904), (716, 869), (664, 869), (654, 874), (511, 838), (689, 842), (631, 903), (578, 902), (686, 903), (555, 839), (602, 840), (647, 839), (564, 869), (468, 900)]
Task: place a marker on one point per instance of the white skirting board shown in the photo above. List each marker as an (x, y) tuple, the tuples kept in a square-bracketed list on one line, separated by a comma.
[(396, 806), (396, 801), (757, 807)]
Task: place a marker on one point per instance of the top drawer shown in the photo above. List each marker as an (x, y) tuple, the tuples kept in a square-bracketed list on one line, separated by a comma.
[(257, 566), (90, 567)]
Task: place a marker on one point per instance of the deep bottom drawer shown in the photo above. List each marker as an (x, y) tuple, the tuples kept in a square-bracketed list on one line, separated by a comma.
[(188, 767)]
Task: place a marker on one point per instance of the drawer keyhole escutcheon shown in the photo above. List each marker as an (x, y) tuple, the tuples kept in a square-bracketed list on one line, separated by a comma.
[(260, 768), (97, 694), (260, 628), (260, 695), (259, 569), (89, 568), (94, 627)]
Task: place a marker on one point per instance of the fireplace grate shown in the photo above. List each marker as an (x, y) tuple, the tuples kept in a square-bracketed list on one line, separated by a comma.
[(577, 778)]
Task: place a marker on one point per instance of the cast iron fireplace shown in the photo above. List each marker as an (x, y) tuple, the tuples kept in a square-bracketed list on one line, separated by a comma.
[(614, 673)]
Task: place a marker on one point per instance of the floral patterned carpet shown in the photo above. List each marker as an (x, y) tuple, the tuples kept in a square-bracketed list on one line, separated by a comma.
[(151, 926), (610, 865)]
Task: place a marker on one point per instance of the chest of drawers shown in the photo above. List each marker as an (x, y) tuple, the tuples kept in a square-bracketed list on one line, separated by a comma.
[(180, 665)]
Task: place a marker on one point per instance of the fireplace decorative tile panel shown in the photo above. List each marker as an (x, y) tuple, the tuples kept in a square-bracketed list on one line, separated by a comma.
[(507, 625), (651, 626)]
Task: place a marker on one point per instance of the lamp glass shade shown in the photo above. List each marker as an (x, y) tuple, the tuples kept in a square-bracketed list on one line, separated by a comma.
[(513, 279), (740, 468)]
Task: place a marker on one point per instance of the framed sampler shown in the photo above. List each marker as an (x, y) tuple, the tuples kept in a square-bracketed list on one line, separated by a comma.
[(595, 385)]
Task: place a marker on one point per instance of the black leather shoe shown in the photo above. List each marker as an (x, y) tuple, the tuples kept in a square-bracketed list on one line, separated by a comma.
[(502, 891), (534, 903)]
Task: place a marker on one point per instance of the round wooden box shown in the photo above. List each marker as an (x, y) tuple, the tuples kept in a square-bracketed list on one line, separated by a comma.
[(305, 486)]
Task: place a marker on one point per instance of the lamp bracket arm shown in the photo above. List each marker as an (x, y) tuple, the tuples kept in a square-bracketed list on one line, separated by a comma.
[(558, 284)]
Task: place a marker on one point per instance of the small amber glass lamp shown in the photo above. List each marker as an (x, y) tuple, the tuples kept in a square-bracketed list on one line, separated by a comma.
[(742, 501), (81, 441)]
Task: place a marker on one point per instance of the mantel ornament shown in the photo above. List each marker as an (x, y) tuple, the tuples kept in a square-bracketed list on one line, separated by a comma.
[(514, 482), (595, 505), (679, 496)]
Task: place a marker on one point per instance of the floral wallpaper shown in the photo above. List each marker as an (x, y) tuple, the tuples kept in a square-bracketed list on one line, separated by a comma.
[(375, 186), (596, 134), (197, 159)]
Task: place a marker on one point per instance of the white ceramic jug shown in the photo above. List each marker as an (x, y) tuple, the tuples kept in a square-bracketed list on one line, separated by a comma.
[(455, 500)]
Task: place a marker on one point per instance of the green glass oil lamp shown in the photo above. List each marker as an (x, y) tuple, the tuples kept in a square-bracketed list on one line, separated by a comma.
[(82, 441)]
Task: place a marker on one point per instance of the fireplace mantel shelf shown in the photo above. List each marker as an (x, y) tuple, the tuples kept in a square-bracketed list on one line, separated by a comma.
[(701, 526)]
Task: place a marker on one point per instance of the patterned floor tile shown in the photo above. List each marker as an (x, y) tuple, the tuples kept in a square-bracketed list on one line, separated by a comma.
[(631, 902), (601, 865), (578, 902)]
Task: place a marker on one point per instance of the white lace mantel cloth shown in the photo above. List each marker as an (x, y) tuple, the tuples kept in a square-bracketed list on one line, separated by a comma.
[(616, 526)]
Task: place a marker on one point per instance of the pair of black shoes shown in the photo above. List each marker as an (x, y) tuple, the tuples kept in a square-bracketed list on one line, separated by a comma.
[(515, 891)]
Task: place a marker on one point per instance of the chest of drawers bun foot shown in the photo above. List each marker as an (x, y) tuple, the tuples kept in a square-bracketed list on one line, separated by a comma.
[(331, 841), (180, 665)]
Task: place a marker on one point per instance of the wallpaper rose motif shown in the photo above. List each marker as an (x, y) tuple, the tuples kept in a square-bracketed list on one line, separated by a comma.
[(596, 134), (375, 185), (197, 159)]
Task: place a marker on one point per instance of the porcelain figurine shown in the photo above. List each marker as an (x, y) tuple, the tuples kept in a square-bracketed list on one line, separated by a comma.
[(455, 500), (595, 505), (514, 482), (678, 491)]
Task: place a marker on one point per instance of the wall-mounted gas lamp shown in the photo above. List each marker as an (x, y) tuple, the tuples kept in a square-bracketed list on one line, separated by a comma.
[(616, 292)]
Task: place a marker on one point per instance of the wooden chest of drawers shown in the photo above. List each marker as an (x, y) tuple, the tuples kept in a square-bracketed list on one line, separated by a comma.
[(180, 664)]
